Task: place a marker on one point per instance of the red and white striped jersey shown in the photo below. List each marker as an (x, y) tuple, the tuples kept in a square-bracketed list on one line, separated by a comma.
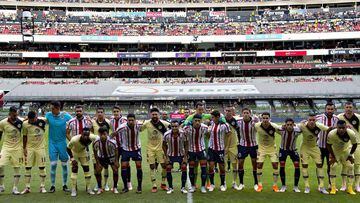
[(330, 122), (247, 132), (217, 135), (196, 137), (288, 140), (129, 137), (105, 150), (76, 126), (115, 124), (175, 145)]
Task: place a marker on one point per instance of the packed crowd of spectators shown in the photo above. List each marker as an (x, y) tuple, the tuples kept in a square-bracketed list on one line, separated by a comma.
[(313, 79), (146, 1), (61, 82)]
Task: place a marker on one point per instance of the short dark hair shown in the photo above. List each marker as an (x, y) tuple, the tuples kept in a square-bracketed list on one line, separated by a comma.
[(349, 103), (215, 113), (100, 108), (78, 107), (329, 104), (197, 116), (103, 129), (154, 110), (265, 114), (245, 109), (199, 104), (341, 122), (175, 121), (130, 115), (312, 114), (56, 104), (116, 107), (31, 114), (187, 109), (13, 109), (289, 120)]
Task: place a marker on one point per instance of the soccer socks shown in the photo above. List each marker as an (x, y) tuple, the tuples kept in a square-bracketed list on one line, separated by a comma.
[(259, 175), (87, 177), (296, 176), (275, 176), (98, 179), (73, 178), (241, 176), (183, 178), (129, 173), (305, 173), (16, 176), (203, 175), (139, 174), (27, 176), (2, 176), (152, 176), (169, 178), (255, 177), (163, 176), (211, 176), (116, 178), (124, 176), (320, 175), (106, 175), (53, 166), (282, 175), (192, 176), (235, 174), (222, 177), (357, 174), (64, 166)]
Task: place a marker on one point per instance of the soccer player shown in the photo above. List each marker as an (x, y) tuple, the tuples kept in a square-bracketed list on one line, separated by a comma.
[(78, 150), (329, 119), (155, 130), (187, 113), (247, 145), (34, 149), (216, 152), (175, 149), (105, 152), (131, 149), (342, 144), (165, 116), (115, 122), (289, 134), (77, 124), (195, 134), (99, 122), (11, 151), (353, 121), (57, 143), (231, 142), (266, 131), (310, 131)]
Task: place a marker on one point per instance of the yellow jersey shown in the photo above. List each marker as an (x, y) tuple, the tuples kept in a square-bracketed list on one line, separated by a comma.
[(11, 134)]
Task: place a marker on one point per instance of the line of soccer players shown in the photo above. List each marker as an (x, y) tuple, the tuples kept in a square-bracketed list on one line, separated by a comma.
[(205, 140)]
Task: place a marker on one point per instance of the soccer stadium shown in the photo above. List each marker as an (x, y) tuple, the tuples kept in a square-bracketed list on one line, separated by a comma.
[(179, 100)]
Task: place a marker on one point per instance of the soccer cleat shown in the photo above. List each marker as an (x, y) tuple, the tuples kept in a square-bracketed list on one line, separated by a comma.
[(255, 187), (203, 189), (170, 190), (90, 192), (259, 188), (43, 190), (192, 189), (99, 191), (307, 190), (343, 188), (125, 190), (222, 188), (107, 188), (2, 188), (357, 188), (350, 191), (73, 193), (66, 189), (115, 191), (296, 189), (275, 188), (96, 188), (129, 186), (211, 188), (164, 187), (26, 191), (138, 191), (183, 190), (154, 189), (333, 190), (324, 191), (15, 191), (52, 189), (283, 188), (241, 187)]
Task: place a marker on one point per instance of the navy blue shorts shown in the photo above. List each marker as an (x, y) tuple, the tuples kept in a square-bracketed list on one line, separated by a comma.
[(243, 152), (175, 159), (197, 156), (294, 155), (134, 155), (216, 156), (106, 162)]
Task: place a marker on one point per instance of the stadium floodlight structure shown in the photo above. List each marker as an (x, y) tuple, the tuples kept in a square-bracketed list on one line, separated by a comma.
[(27, 27)]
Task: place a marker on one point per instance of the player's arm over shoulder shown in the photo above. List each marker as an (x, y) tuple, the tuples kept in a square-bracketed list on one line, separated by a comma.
[(322, 126), (353, 138)]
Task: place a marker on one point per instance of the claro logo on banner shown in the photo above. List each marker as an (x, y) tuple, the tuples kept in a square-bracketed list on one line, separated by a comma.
[(178, 90)]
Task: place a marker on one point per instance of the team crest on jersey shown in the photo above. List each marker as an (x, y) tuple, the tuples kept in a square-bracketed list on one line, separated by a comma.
[(37, 131), (316, 132), (233, 123), (40, 124), (160, 127), (354, 122), (19, 125), (62, 116), (14, 133), (271, 132)]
